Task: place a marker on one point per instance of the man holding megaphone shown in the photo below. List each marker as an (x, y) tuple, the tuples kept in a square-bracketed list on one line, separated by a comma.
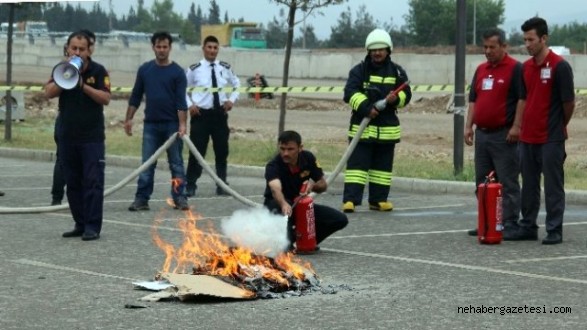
[(83, 88)]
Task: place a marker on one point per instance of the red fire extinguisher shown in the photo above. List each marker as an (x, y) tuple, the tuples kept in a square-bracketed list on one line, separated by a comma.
[(490, 222), (305, 228)]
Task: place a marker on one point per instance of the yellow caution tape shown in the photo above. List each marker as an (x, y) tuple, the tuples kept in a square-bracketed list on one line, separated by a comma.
[(293, 90)]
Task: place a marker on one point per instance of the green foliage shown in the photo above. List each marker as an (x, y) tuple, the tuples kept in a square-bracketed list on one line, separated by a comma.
[(351, 34), (428, 22), (572, 35), (276, 33), (214, 14), (433, 22), (489, 14), (307, 39)]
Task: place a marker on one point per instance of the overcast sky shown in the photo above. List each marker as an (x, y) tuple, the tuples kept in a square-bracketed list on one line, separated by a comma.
[(263, 11)]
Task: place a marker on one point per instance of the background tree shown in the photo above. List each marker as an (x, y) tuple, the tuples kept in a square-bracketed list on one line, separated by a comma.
[(97, 19), (343, 31), (432, 22), (308, 38), (276, 32), (214, 13), (163, 17), (53, 15), (188, 33), (307, 6), (489, 14), (132, 20), (144, 19), (351, 34), (515, 38), (572, 35)]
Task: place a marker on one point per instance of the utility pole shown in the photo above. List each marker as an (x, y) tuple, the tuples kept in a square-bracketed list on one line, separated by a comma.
[(474, 22), (110, 15), (459, 93), (8, 117)]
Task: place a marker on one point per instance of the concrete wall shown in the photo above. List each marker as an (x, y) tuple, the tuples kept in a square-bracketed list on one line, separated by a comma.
[(421, 68)]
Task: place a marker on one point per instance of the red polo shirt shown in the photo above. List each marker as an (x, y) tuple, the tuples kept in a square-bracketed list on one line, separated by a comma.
[(495, 90), (545, 88)]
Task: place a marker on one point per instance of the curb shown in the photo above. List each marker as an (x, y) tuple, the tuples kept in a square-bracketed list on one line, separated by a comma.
[(413, 185)]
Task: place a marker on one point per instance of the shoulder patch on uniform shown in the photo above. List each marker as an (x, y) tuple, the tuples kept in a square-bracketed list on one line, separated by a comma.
[(224, 64), (194, 66)]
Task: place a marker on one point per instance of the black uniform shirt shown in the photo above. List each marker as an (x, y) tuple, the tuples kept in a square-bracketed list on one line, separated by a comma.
[(291, 180), (81, 118)]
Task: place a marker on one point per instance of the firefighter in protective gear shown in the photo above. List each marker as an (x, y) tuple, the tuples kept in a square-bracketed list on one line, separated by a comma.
[(368, 91)]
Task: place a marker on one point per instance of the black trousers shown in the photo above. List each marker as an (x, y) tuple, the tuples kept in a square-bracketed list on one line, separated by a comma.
[(83, 165), (328, 220), (547, 159), (212, 123), (493, 152), (58, 186)]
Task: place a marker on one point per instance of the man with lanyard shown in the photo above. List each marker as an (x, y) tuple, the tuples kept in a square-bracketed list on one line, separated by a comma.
[(209, 112), (544, 111), (163, 84), (495, 91), (370, 81), (81, 139), (286, 173)]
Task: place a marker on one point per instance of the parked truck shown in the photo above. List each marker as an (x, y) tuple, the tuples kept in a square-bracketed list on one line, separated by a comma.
[(33, 28), (26, 28), (237, 35)]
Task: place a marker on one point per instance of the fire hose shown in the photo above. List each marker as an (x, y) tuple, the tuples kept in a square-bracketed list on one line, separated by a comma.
[(351, 147), (381, 104), (215, 177), (200, 159), (107, 192)]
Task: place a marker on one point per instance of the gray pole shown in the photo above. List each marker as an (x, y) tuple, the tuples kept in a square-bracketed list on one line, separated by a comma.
[(8, 117), (459, 96), (474, 22)]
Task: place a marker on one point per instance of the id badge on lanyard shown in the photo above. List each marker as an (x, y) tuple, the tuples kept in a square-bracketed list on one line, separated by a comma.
[(545, 73), (487, 83)]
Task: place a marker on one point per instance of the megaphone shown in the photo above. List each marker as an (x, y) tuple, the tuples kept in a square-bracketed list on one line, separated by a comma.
[(67, 74)]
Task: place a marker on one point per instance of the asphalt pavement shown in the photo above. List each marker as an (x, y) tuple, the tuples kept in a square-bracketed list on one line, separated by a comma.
[(412, 268)]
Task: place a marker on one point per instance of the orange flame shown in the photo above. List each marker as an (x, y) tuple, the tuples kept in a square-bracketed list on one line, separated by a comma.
[(206, 252), (176, 183)]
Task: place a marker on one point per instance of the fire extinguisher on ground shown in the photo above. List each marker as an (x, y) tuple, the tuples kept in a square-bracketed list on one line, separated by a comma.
[(489, 200), (304, 221)]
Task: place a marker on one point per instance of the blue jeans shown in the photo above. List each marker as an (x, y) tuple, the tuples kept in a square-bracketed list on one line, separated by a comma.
[(154, 136)]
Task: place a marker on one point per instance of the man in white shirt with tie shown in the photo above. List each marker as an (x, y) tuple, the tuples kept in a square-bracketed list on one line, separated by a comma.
[(209, 112)]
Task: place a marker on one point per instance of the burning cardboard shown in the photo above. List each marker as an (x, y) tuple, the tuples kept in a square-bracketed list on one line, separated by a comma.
[(221, 270), (188, 287)]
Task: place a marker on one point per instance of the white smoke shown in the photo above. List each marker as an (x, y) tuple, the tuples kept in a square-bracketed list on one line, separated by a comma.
[(257, 229)]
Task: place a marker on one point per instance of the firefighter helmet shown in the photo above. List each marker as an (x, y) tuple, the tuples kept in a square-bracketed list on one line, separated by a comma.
[(378, 39)]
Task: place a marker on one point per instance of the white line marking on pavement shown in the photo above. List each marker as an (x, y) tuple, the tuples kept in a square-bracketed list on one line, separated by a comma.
[(514, 261), (434, 232), (428, 207), (461, 266), (69, 269), (401, 234)]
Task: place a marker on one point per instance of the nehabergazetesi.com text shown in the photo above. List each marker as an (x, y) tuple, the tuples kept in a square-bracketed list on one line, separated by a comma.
[(503, 310)]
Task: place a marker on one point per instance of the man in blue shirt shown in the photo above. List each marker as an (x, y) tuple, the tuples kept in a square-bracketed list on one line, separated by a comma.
[(163, 83)]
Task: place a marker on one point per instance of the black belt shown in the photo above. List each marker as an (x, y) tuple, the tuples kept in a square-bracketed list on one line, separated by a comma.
[(492, 129), (210, 109)]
